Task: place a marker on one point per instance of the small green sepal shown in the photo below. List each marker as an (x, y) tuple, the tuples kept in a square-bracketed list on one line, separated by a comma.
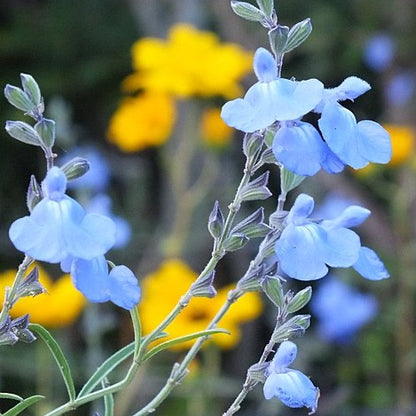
[(247, 11), (75, 168), (278, 37), (272, 287), (23, 132), (289, 180), (266, 6), (18, 98), (298, 34), (300, 300), (216, 221), (46, 131), (256, 189), (31, 88)]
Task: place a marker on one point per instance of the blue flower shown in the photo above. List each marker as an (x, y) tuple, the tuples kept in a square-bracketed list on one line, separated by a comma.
[(298, 146), (271, 98), (94, 281), (306, 247), (355, 144), (400, 88), (58, 226), (379, 51), (341, 310), (292, 387)]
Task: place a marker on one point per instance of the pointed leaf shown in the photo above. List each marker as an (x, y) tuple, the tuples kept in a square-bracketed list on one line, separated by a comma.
[(272, 287), (247, 11), (59, 357), (24, 404), (300, 300), (298, 34)]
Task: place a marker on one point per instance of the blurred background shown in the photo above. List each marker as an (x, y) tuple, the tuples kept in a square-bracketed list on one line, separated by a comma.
[(160, 157)]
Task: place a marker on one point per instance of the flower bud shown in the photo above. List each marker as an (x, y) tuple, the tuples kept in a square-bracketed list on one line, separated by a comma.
[(75, 168)]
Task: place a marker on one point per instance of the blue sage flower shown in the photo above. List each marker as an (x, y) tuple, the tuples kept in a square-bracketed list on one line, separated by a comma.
[(93, 279), (290, 386), (298, 146), (341, 310), (307, 247), (355, 143), (271, 99), (379, 51), (58, 226)]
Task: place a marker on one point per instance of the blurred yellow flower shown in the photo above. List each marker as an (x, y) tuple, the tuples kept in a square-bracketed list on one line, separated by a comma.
[(143, 121), (59, 306), (213, 129), (403, 143), (190, 62), (162, 290)]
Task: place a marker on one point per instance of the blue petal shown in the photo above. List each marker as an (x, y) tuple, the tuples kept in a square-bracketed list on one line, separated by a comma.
[(90, 277), (331, 162), (300, 252), (54, 184), (285, 355), (350, 217), (299, 148), (351, 88), (301, 209), (124, 288), (341, 310), (267, 102), (374, 142), (293, 388), (339, 129), (341, 248), (370, 266), (265, 66)]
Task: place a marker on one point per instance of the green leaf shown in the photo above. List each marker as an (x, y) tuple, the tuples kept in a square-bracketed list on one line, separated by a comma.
[(18, 98), (106, 367), (31, 88), (59, 357), (247, 11), (278, 39), (266, 6), (273, 289), (298, 34), (179, 340), (299, 300), (11, 396), (24, 404), (289, 180), (23, 132)]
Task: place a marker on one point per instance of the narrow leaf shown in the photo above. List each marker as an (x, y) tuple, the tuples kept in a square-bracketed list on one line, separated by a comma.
[(106, 367), (11, 396), (180, 340), (59, 357), (273, 289), (24, 404)]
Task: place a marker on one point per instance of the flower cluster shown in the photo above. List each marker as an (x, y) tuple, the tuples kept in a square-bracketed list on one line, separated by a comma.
[(183, 66), (58, 230), (298, 145)]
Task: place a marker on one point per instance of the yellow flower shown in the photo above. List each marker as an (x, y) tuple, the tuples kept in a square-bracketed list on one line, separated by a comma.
[(162, 290), (143, 121), (59, 306), (403, 143), (191, 62), (213, 129)]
